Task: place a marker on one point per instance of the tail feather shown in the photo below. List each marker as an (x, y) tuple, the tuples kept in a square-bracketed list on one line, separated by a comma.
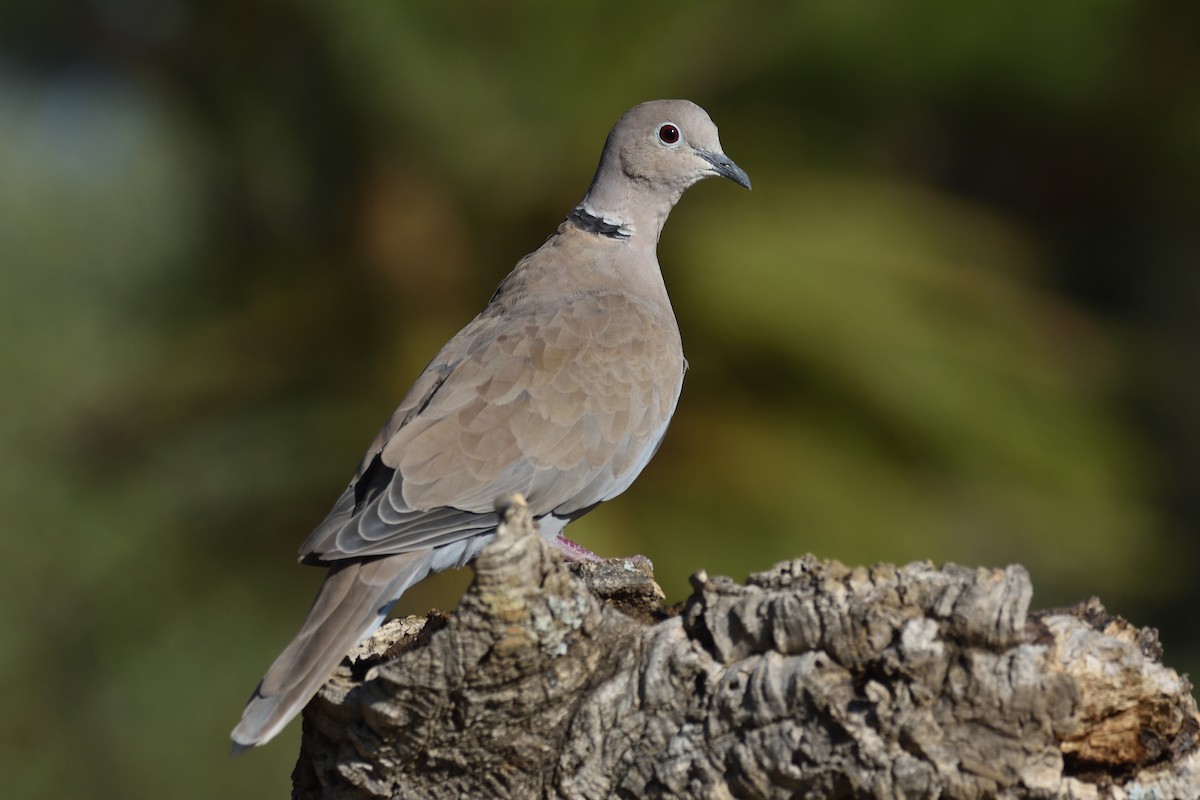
[(353, 601)]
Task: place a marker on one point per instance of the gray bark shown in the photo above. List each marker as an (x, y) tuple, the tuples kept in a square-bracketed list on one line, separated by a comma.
[(811, 680)]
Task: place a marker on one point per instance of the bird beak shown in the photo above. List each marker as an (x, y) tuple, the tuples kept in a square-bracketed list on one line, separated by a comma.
[(722, 165)]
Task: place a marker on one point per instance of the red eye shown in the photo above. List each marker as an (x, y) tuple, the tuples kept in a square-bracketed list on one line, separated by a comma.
[(668, 133)]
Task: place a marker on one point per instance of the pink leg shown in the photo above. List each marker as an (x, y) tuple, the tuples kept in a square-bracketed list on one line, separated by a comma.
[(573, 551)]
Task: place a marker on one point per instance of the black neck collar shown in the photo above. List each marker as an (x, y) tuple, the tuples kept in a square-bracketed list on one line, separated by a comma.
[(589, 222)]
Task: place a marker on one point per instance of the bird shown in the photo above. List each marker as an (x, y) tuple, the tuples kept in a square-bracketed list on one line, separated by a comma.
[(560, 389)]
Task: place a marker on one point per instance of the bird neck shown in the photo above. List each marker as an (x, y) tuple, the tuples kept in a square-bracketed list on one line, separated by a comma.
[(629, 213), (587, 219)]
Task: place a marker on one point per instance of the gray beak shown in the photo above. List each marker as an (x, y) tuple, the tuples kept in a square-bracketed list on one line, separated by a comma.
[(722, 164)]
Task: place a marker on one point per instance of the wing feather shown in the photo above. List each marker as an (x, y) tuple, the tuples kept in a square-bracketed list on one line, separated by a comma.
[(566, 408)]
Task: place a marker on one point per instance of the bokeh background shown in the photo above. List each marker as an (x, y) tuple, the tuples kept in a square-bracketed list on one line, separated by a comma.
[(955, 320)]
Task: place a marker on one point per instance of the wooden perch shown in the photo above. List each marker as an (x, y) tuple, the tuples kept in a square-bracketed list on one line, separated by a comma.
[(811, 680)]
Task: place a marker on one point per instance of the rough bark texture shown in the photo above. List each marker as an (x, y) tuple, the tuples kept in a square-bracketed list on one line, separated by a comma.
[(811, 680)]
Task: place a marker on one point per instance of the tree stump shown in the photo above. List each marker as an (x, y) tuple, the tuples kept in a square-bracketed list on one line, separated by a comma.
[(812, 680)]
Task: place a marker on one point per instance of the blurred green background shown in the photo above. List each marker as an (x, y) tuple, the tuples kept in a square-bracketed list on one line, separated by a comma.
[(955, 320)]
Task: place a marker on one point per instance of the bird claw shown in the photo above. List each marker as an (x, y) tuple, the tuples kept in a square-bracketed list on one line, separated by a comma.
[(573, 551)]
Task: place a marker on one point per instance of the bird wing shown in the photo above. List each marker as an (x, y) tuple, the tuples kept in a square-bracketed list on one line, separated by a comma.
[(565, 403)]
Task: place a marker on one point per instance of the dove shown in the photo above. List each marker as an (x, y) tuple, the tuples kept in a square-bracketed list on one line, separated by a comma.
[(561, 389)]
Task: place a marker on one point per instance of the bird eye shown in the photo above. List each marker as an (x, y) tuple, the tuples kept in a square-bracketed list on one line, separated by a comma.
[(668, 133)]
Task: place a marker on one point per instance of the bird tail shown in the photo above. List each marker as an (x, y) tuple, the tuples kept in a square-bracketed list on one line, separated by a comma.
[(353, 601)]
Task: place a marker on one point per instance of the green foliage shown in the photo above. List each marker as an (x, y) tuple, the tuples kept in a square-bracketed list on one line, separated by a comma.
[(955, 319)]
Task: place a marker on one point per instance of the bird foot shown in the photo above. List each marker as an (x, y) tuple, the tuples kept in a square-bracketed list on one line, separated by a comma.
[(573, 551)]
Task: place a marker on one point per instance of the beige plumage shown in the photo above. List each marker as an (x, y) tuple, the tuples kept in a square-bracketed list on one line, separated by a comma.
[(561, 389)]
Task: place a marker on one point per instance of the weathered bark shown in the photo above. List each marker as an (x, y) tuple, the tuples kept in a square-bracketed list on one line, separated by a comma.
[(811, 680)]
